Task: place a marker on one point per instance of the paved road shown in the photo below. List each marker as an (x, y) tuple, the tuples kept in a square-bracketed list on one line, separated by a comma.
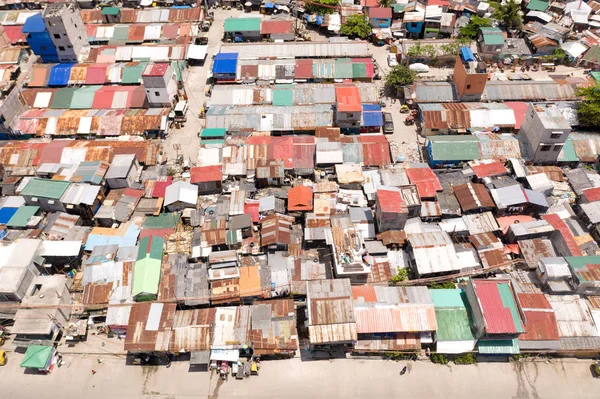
[(293, 378)]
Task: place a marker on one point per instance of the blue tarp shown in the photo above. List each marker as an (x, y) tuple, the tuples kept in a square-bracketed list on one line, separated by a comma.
[(268, 5), (34, 24), (60, 74), (225, 63), (467, 54), (6, 214), (372, 115), (320, 20)]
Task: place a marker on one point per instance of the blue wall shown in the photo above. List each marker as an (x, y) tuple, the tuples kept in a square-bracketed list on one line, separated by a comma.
[(382, 22), (41, 44), (414, 27)]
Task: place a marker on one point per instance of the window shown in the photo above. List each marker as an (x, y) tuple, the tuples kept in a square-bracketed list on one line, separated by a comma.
[(545, 147), (156, 93), (557, 147), (61, 48), (75, 25), (57, 35), (555, 135), (36, 289), (468, 87), (349, 115), (51, 202)]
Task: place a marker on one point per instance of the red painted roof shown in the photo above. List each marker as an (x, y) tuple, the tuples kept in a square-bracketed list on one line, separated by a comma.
[(487, 168), (376, 150), (366, 292), (566, 233), (380, 12), (282, 148), (52, 152), (303, 152), (498, 318), (155, 69), (300, 198), (274, 26), (540, 320), (15, 34), (256, 140), (348, 98), (96, 74), (592, 194), (304, 69), (520, 108), (369, 3), (439, 3), (160, 186), (203, 174), (163, 233), (426, 181), (130, 192), (252, 210), (506, 221), (390, 201)]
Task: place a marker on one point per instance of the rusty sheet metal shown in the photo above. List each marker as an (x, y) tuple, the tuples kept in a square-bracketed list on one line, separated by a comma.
[(535, 249), (473, 196), (555, 173), (270, 169), (493, 258), (156, 316), (391, 343), (447, 118), (192, 330), (395, 318), (276, 229), (381, 272), (224, 291), (273, 327), (541, 320), (392, 237), (430, 209), (303, 152), (485, 240), (376, 150), (587, 150), (213, 232), (95, 16), (18, 154), (97, 294)]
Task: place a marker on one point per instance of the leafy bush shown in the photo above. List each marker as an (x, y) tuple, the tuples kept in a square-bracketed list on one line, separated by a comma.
[(445, 285), (439, 358), (400, 75), (402, 275), (467, 358)]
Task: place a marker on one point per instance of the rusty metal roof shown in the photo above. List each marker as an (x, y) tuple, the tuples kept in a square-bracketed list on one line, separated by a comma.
[(473, 196), (276, 229), (192, 330), (150, 327), (274, 327)]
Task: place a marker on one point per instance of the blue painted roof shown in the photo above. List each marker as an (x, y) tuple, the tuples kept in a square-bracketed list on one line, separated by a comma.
[(128, 240), (34, 24), (467, 54), (6, 214), (59, 75), (372, 115), (225, 63)]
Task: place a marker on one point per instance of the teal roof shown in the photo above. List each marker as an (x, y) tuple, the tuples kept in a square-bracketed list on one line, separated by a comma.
[(120, 34), (213, 132), (508, 300), (538, 5), (454, 148), (45, 188), (447, 298), (242, 25), (110, 11), (37, 356), (359, 70), (63, 98), (83, 98), (493, 36), (133, 74), (22, 216), (593, 55), (398, 7), (596, 76), (499, 346), (343, 68), (162, 221), (454, 323), (283, 95), (568, 153), (581, 266)]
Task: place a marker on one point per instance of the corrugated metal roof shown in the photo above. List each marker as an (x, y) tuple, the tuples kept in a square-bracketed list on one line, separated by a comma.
[(573, 316), (454, 148), (498, 306), (299, 49), (426, 181), (150, 327), (540, 321)]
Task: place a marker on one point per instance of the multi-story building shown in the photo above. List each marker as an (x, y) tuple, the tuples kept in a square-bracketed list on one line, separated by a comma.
[(545, 130), (160, 83), (66, 29)]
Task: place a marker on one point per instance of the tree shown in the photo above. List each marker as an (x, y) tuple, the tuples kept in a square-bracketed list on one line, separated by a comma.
[(415, 51), (402, 275), (510, 14), (430, 50), (400, 75), (328, 7), (470, 31), (356, 25), (450, 48), (588, 110)]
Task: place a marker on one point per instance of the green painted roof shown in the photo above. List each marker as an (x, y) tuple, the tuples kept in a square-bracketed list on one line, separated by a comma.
[(211, 142), (398, 7), (454, 148), (447, 298), (359, 70), (596, 76), (22, 216), (45, 188), (63, 98), (83, 98), (37, 356), (538, 5), (453, 324), (492, 35), (508, 301), (120, 34), (343, 68), (579, 264), (178, 67), (213, 132), (593, 55), (242, 24), (499, 346), (133, 74), (283, 96), (147, 268), (568, 153), (110, 11), (162, 221)]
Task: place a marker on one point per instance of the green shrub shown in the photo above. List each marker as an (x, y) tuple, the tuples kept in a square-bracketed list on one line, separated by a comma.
[(467, 358), (439, 358), (444, 285)]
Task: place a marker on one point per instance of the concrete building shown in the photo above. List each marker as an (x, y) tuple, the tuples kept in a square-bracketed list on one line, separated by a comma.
[(348, 110), (39, 39), (470, 76), (161, 84), (66, 29), (545, 130)]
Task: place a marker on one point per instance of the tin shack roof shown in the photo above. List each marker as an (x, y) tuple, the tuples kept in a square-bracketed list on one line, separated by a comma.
[(150, 327)]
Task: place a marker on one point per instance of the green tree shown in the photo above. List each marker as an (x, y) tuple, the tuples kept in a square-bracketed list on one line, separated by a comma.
[(470, 31), (450, 48), (402, 275), (467, 358), (439, 358), (328, 6), (356, 25), (509, 14), (588, 110), (416, 50), (399, 76)]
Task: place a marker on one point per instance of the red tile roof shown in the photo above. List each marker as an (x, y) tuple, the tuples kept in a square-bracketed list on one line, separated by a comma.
[(376, 150), (390, 201), (348, 98), (203, 174), (540, 320), (565, 232), (160, 186), (426, 181), (487, 168), (592, 194), (498, 317), (300, 198)]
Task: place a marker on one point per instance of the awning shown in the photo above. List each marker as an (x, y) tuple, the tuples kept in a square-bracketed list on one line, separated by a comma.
[(227, 355), (200, 357), (268, 5), (197, 52), (38, 357), (498, 346)]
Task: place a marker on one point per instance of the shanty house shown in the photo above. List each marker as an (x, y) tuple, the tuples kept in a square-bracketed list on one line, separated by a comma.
[(348, 110), (242, 29), (586, 274), (192, 332), (390, 210), (491, 40), (516, 199), (82, 199), (150, 327), (452, 313), (123, 171), (146, 271), (380, 17), (433, 254), (207, 178), (273, 328), (181, 195), (17, 270), (540, 323), (46, 194), (330, 311)]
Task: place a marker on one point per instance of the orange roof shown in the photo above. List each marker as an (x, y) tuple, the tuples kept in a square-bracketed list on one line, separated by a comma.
[(249, 281), (506, 221), (300, 198), (348, 99)]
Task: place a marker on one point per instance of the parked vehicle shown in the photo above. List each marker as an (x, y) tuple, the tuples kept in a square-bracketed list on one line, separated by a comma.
[(2, 358), (224, 370), (595, 368), (410, 120), (388, 123), (392, 60)]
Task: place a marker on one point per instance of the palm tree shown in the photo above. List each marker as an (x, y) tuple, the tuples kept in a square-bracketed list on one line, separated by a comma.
[(510, 15)]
